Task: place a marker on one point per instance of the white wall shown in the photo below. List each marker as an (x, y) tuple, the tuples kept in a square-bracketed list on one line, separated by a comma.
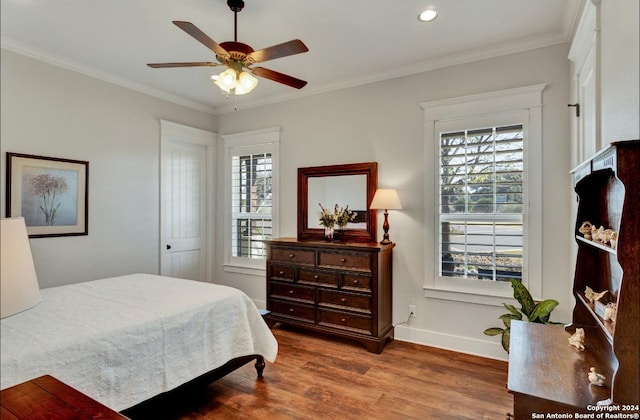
[(50, 111), (620, 69), (383, 122)]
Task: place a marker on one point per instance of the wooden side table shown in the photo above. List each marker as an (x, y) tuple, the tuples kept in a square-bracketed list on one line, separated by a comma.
[(46, 397)]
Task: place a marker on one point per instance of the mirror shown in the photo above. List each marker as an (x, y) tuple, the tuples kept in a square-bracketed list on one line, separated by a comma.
[(351, 184)]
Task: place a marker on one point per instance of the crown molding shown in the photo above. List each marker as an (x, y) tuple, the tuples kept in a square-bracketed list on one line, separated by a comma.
[(63, 62), (512, 47)]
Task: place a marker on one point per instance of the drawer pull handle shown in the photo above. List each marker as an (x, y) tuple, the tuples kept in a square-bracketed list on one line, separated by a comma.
[(355, 281), (316, 277), (292, 255), (343, 320), (343, 300), (290, 309), (344, 260), (281, 273), (290, 292)]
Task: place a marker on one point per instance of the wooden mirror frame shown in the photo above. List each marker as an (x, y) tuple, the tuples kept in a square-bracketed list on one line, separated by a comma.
[(370, 169)]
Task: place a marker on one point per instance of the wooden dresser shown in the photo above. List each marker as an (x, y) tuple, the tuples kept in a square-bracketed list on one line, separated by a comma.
[(343, 289), (546, 374)]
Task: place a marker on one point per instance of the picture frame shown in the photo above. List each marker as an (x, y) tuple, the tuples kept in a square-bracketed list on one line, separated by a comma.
[(52, 194)]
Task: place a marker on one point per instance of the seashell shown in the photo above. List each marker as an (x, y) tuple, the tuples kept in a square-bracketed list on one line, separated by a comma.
[(595, 377), (577, 339), (614, 239), (610, 312), (585, 229), (593, 296)]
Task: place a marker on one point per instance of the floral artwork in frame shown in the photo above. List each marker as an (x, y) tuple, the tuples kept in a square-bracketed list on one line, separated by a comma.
[(50, 193)]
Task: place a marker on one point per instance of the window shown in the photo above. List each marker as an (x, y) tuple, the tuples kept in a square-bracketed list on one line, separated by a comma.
[(485, 189), (480, 212), (251, 197), (251, 204)]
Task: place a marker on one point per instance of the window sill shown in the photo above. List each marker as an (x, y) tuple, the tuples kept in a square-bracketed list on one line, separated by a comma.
[(251, 271), (490, 299)]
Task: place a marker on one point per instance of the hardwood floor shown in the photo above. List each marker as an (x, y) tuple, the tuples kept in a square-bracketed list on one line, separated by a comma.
[(320, 377)]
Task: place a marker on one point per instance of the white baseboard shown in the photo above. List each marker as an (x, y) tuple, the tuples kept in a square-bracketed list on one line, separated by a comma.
[(483, 348)]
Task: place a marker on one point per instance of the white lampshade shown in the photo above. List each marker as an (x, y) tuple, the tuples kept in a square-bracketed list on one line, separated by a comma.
[(19, 284), (386, 199), (246, 83)]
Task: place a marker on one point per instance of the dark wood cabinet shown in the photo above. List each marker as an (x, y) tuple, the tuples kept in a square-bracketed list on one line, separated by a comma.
[(343, 289), (546, 374), (45, 397)]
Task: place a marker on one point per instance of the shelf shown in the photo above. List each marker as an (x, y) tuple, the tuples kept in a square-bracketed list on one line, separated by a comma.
[(596, 244), (608, 327), (543, 365)]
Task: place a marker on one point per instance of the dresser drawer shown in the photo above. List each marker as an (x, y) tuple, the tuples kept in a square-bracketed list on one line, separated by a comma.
[(292, 292), (318, 277), (296, 311), (346, 321), (357, 282), (282, 272), (294, 256), (346, 261), (347, 301)]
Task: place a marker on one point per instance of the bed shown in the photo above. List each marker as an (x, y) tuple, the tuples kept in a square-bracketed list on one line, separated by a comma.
[(123, 340)]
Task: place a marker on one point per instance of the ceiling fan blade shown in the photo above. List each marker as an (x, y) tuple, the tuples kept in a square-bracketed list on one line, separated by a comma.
[(278, 77), (276, 51), (204, 39), (189, 64)]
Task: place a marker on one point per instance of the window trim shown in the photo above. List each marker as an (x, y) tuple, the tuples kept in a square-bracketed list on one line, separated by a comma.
[(526, 99), (264, 140)]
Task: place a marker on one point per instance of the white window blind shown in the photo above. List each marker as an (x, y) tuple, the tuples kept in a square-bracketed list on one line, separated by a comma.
[(251, 204), (481, 203)]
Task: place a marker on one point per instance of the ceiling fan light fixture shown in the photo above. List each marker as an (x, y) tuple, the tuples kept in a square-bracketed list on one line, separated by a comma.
[(226, 80), (428, 15), (246, 83)]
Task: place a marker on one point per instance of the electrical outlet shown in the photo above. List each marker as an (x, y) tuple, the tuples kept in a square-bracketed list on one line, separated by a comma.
[(412, 312)]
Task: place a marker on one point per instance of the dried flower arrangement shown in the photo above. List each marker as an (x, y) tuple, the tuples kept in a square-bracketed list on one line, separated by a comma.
[(339, 216)]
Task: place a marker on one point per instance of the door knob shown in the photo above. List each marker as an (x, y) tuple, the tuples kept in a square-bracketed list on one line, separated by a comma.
[(168, 246)]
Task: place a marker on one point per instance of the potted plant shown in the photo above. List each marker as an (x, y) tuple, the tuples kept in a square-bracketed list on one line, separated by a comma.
[(538, 312)]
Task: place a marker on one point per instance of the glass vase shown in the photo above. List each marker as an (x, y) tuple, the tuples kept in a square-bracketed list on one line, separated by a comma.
[(328, 233)]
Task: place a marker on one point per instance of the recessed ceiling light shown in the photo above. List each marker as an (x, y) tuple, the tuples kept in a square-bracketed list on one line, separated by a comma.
[(428, 15)]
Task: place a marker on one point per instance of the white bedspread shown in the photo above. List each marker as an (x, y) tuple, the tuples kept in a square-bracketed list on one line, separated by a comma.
[(125, 339)]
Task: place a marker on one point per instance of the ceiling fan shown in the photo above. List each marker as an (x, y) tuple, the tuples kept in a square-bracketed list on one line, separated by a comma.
[(238, 57)]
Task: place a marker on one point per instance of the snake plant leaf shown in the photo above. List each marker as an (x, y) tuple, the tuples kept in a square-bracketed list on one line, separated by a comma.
[(522, 295), (494, 331), (513, 310), (542, 310), (506, 319), (505, 340)]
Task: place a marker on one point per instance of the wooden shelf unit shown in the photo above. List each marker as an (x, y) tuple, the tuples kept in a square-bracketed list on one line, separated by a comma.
[(546, 374)]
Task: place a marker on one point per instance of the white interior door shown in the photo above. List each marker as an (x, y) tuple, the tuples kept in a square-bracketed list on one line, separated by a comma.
[(587, 99), (584, 57), (185, 193)]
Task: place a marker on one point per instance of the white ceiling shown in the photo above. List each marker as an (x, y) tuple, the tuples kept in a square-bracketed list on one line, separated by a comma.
[(351, 42)]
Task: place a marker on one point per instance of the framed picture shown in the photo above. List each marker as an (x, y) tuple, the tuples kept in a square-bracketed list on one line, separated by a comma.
[(50, 193)]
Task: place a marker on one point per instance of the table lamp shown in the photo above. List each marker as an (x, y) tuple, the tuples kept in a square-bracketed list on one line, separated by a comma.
[(386, 199)]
